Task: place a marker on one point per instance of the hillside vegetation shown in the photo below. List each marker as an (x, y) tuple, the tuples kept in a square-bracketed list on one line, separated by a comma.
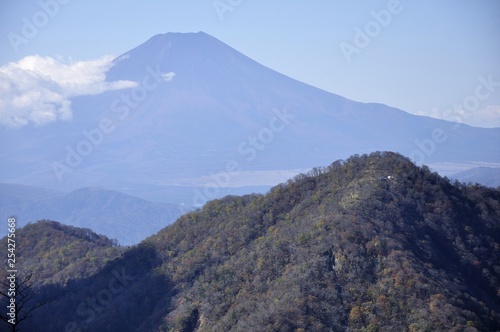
[(56, 253), (373, 243)]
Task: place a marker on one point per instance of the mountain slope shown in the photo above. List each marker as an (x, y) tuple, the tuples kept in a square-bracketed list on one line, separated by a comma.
[(62, 252), (202, 108), (125, 218), (372, 243), (12, 194), (52, 254), (488, 176)]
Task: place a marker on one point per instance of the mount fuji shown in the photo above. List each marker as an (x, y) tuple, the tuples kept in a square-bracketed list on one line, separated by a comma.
[(205, 120)]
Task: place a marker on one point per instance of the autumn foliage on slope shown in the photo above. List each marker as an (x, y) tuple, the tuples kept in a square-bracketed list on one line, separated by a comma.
[(373, 243)]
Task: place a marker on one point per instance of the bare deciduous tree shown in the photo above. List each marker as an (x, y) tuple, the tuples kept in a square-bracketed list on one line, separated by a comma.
[(25, 299)]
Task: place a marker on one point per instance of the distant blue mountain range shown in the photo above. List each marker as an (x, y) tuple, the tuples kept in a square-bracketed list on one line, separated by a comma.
[(125, 218)]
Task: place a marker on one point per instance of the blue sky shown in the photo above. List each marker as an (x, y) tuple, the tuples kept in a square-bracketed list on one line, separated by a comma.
[(425, 57)]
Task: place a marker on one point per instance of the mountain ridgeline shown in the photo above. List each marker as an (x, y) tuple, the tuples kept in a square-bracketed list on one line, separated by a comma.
[(372, 243), (126, 218), (220, 106)]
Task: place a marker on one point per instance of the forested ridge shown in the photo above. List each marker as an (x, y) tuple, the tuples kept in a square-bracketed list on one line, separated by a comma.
[(372, 243)]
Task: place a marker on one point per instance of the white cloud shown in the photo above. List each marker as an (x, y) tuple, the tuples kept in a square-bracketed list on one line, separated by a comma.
[(488, 117), (123, 57), (38, 89), (433, 113), (168, 76)]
